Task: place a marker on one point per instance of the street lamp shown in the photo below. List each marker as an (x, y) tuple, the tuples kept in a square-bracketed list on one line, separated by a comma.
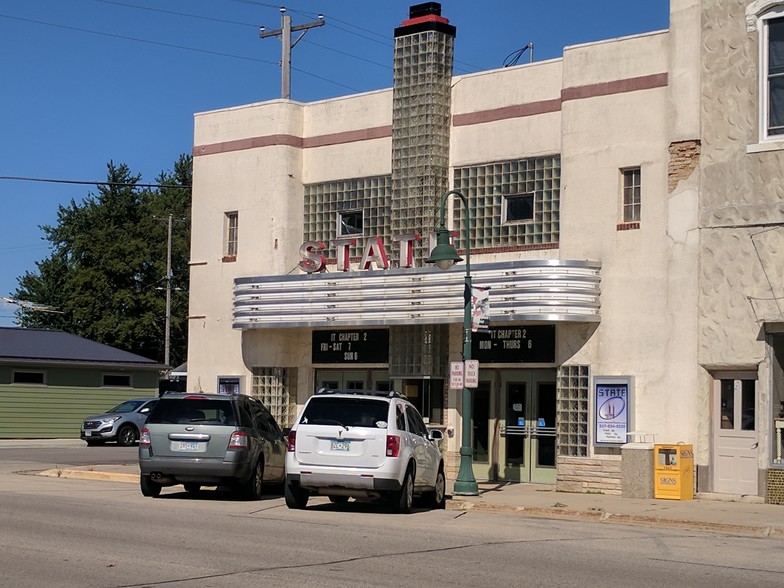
[(444, 255)]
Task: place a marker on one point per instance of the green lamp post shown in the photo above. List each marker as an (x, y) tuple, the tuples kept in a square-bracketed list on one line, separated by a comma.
[(444, 255)]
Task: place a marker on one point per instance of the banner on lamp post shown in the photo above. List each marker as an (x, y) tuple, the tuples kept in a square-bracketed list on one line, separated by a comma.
[(480, 308)]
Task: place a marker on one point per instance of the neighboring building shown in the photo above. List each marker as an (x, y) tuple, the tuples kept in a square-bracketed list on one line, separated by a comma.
[(51, 380), (619, 200)]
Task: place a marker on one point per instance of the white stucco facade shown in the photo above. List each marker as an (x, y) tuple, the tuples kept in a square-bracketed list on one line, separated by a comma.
[(670, 318)]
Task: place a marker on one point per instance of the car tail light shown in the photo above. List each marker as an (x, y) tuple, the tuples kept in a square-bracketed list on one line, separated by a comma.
[(144, 438), (239, 440), (292, 441), (393, 445)]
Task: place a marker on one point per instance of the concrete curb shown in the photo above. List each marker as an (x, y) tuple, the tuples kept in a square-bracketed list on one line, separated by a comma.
[(607, 517), (600, 516)]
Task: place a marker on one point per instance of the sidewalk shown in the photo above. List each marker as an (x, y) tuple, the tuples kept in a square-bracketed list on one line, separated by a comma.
[(707, 512)]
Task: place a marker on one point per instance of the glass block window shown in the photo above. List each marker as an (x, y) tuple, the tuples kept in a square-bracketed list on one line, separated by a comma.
[(489, 187), (417, 351), (277, 389), (572, 416), (631, 194), (367, 197)]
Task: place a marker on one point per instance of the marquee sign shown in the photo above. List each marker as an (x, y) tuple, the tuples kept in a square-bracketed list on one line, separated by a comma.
[(351, 346), (515, 344)]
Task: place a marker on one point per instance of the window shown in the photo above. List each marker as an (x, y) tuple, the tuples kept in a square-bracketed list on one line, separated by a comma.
[(230, 246), (277, 390), (772, 92), (518, 208), (487, 186), (631, 194), (350, 222), (116, 380), (572, 416), (28, 378), (738, 405), (229, 385)]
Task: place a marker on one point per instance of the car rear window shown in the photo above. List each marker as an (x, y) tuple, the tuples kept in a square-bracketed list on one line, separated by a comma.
[(193, 410), (349, 412)]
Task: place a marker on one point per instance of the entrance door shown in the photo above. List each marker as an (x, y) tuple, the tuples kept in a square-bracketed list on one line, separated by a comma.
[(514, 426), (735, 440)]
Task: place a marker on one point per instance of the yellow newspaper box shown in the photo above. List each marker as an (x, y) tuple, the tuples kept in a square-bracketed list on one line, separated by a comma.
[(673, 473)]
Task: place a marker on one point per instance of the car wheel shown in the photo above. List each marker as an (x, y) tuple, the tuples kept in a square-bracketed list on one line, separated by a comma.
[(126, 436), (437, 498), (149, 488), (254, 487), (338, 499), (192, 488), (295, 497), (404, 498)]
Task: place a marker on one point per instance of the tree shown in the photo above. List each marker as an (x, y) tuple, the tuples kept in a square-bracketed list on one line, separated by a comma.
[(106, 273)]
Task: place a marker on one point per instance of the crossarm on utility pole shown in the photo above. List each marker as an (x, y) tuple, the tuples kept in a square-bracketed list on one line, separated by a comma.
[(285, 34)]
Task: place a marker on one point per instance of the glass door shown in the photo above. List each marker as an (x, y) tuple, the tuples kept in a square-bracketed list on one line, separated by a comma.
[(527, 426), (513, 426)]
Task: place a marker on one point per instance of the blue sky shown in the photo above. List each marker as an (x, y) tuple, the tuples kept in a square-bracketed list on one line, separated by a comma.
[(89, 81)]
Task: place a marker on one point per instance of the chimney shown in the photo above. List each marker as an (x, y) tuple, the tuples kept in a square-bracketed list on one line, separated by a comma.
[(421, 120)]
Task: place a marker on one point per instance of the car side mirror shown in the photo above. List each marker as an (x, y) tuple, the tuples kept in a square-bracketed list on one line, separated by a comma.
[(435, 434)]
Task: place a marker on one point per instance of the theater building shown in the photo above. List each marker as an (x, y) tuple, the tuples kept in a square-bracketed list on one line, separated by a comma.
[(623, 213)]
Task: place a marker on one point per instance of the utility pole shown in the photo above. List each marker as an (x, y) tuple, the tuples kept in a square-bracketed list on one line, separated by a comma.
[(285, 33), (167, 339)]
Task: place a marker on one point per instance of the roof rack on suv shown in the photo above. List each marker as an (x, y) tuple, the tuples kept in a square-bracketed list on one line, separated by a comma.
[(387, 394)]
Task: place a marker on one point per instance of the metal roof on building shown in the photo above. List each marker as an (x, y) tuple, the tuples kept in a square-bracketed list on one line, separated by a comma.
[(44, 345)]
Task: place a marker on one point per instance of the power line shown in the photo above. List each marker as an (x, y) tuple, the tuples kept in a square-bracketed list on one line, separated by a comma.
[(171, 46), (92, 183)]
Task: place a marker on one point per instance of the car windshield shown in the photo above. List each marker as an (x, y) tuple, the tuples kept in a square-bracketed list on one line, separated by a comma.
[(347, 412), (128, 406), (193, 410)]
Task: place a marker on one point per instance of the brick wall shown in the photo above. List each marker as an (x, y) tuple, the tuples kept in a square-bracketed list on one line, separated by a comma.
[(684, 158)]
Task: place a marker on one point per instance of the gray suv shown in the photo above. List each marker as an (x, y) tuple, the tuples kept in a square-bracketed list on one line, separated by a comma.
[(211, 440), (122, 423)]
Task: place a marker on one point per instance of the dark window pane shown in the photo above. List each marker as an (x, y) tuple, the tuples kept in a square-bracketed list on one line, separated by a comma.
[(776, 106), (189, 410), (727, 404), (354, 413), (351, 223), (748, 402), (776, 46), (112, 380), (519, 208), (28, 378)]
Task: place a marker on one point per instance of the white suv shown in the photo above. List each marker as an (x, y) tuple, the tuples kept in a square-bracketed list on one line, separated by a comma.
[(366, 445)]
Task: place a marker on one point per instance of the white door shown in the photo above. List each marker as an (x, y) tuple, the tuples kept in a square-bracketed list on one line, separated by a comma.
[(735, 440)]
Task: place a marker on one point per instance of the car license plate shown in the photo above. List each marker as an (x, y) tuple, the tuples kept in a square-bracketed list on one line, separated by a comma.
[(338, 445), (88, 433), (186, 445)]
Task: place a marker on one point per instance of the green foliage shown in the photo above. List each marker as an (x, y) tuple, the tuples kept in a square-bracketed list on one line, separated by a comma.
[(107, 269)]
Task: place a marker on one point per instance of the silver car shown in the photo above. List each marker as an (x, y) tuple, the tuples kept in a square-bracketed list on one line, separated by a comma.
[(122, 423), (211, 440)]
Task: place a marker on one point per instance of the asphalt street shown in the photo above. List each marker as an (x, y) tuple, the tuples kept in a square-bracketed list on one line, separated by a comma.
[(71, 532)]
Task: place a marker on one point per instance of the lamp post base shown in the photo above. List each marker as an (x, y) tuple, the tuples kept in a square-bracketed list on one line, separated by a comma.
[(465, 484)]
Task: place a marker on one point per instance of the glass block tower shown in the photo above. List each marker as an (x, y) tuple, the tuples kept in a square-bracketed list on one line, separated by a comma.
[(424, 53)]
